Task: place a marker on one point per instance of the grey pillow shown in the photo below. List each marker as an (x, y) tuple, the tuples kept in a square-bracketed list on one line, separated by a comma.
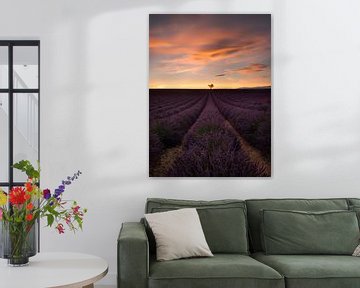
[(299, 232)]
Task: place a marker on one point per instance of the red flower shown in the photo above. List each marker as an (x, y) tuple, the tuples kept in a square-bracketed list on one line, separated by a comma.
[(60, 228), (29, 206), (17, 196), (75, 209), (29, 186), (27, 196), (29, 217), (68, 219)]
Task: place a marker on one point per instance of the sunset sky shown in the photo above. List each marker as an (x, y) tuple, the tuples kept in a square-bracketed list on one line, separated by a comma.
[(192, 51)]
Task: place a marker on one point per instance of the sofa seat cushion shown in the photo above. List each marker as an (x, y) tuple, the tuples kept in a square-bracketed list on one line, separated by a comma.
[(313, 271), (222, 270)]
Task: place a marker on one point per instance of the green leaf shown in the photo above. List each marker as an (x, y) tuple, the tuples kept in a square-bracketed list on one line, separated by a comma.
[(21, 165), (79, 221), (50, 219), (28, 168), (53, 211)]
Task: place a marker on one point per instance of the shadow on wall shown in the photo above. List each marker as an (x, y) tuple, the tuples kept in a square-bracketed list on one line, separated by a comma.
[(70, 88)]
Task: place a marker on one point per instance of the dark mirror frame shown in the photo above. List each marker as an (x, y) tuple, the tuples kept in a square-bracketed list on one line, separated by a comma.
[(10, 91)]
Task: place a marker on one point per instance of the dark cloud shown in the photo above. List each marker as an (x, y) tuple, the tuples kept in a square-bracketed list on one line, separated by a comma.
[(252, 23), (223, 52), (242, 26), (252, 68), (220, 75), (234, 44)]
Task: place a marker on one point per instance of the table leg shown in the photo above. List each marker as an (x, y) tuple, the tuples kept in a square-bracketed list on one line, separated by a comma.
[(89, 286)]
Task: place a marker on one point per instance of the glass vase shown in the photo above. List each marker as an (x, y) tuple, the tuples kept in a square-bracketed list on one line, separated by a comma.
[(18, 242)]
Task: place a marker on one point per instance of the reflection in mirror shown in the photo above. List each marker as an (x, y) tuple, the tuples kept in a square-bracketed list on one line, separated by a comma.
[(4, 67), (4, 139), (26, 74), (26, 130)]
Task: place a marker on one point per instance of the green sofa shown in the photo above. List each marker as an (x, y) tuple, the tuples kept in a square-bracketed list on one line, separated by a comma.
[(233, 231)]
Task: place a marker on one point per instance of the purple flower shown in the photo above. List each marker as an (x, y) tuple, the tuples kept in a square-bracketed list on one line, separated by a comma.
[(46, 194), (58, 192), (64, 183)]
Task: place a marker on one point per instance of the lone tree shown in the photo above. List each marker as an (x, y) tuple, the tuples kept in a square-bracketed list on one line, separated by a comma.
[(211, 86)]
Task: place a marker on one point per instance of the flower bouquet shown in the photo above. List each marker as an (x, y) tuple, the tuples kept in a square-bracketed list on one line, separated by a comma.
[(21, 208)]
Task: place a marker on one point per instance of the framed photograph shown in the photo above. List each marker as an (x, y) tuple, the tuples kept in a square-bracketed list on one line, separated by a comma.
[(210, 95)]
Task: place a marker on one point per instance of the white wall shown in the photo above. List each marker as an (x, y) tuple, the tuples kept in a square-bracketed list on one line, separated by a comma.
[(94, 105)]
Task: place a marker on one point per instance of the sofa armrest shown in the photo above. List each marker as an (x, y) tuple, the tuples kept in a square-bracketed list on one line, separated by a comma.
[(133, 256)]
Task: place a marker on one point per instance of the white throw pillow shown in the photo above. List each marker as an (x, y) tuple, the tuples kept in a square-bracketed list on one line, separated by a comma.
[(357, 251), (178, 234)]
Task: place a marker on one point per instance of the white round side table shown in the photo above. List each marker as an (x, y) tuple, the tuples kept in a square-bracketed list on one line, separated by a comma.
[(50, 270)]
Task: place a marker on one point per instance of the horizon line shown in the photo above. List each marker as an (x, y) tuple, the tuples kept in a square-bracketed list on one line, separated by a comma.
[(182, 88)]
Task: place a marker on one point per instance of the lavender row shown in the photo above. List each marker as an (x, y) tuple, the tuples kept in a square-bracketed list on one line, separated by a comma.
[(252, 124), (258, 99), (175, 108), (168, 102), (168, 98), (212, 150), (168, 132)]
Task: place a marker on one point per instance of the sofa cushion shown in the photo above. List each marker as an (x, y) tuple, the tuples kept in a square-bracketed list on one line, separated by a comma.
[(297, 232), (353, 201), (224, 221), (178, 234), (354, 205), (254, 216), (356, 209), (313, 271), (222, 270)]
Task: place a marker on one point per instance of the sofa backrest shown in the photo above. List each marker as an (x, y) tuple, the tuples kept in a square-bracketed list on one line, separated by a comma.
[(256, 205), (353, 202), (223, 221)]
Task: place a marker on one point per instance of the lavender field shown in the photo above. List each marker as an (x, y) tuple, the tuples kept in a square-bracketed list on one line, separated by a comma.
[(210, 133)]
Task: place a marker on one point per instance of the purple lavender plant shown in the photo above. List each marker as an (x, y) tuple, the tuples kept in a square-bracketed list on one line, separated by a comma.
[(249, 112), (212, 150), (201, 123), (61, 188)]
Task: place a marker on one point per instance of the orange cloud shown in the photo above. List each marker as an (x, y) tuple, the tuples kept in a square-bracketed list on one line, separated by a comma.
[(159, 43)]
